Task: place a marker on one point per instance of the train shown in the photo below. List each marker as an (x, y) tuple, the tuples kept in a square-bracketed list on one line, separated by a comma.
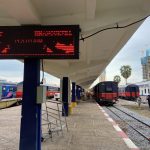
[(129, 92), (19, 91), (144, 88), (106, 92), (14, 92), (51, 92), (8, 91)]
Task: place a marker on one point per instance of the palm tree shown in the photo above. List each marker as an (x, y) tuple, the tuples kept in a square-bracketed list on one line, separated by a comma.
[(117, 78), (126, 72)]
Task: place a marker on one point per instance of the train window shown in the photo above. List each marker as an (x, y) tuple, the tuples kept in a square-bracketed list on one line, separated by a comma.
[(108, 88), (102, 88), (145, 91), (148, 91), (11, 89), (114, 88), (133, 89)]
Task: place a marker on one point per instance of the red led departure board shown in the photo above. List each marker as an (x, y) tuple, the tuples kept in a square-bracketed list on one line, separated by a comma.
[(49, 42)]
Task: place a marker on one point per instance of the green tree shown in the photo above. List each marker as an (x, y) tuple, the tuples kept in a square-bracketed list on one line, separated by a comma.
[(126, 72), (117, 78)]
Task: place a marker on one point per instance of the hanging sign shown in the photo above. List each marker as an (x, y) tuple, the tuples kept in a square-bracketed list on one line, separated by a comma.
[(45, 42)]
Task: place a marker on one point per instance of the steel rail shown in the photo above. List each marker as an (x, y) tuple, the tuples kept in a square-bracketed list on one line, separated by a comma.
[(147, 138), (133, 117)]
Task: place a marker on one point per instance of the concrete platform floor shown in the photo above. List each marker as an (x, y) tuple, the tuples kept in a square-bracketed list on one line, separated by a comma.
[(88, 130), (10, 128)]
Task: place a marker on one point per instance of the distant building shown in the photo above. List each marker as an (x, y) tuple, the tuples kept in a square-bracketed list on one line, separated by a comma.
[(145, 61)]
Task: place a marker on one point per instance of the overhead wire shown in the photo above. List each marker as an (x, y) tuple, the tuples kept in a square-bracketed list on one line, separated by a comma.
[(114, 27), (109, 28)]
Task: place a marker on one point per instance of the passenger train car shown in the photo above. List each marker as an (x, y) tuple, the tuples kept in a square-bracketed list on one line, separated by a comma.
[(19, 90), (130, 92), (106, 92), (7, 91), (52, 91), (144, 89)]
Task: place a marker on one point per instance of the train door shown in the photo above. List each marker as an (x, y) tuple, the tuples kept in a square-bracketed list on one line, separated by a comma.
[(13, 90), (96, 94), (4, 91), (133, 92), (102, 91), (109, 91)]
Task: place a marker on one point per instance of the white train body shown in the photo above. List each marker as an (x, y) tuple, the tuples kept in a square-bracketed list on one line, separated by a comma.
[(144, 88)]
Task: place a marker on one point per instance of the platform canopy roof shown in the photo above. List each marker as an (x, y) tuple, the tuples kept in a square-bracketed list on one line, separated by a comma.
[(97, 51)]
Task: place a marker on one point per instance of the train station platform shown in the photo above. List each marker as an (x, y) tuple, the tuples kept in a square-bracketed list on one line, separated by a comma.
[(90, 128)]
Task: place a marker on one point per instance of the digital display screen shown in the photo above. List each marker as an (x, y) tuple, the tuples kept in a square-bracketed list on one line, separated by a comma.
[(47, 42)]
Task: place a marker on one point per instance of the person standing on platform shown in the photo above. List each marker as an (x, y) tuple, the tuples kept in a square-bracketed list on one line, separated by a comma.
[(148, 98), (139, 101)]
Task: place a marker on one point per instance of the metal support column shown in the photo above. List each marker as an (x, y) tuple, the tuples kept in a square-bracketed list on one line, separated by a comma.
[(30, 132), (79, 89), (65, 109), (74, 94), (78, 92)]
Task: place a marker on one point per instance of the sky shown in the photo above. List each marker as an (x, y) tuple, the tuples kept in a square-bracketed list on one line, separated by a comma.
[(130, 54), (12, 70)]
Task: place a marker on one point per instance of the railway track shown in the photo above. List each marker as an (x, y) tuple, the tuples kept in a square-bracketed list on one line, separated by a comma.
[(140, 127)]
